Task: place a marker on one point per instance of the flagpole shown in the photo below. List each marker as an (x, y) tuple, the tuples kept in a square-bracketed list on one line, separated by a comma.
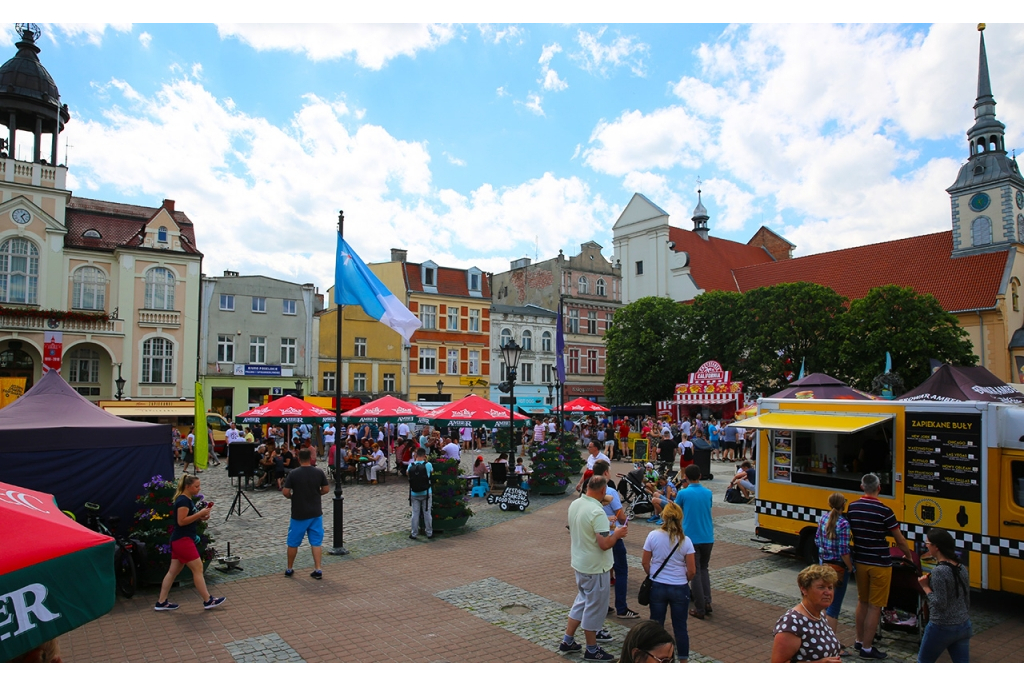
[(339, 499)]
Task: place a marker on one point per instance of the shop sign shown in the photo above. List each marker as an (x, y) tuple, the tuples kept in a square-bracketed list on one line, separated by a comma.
[(473, 380), (943, 469), (709, 378), (53, 345), (257, 370), (511, 498)]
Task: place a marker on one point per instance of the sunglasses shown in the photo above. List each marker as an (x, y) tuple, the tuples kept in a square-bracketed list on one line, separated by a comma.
[(667, 660)]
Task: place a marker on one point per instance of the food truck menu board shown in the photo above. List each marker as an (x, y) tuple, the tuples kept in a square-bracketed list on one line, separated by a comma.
[(944, 456), (782, 455)]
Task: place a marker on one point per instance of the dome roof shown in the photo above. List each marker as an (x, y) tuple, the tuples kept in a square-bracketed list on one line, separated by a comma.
[(24, 75), (699, 212)]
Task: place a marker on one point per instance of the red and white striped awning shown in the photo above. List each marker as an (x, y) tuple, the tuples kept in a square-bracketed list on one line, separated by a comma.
[(707, 398)]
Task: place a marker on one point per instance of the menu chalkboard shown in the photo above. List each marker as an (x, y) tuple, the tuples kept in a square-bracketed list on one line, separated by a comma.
[(944, 456)]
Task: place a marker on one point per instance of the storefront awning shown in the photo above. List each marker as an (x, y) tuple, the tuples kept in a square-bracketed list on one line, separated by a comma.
[(821, 423), (150, 411)]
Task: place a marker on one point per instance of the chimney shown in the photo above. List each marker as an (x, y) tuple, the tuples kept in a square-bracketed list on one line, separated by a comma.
[(169, 205), (521, 263), (398, 255), (230, 273)]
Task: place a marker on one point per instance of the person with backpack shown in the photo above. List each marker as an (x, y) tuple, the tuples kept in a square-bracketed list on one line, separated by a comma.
[(420, 494), (948, 589)]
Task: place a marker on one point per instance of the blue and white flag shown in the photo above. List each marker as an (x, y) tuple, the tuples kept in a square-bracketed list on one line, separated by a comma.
[(354, 283)]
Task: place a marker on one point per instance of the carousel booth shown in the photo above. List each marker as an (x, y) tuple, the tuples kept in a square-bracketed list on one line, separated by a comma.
[(709, 390)]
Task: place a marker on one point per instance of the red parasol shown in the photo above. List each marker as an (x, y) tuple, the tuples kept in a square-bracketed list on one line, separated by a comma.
[(582, 405), (387, 409), (472, 411), (288, 409)]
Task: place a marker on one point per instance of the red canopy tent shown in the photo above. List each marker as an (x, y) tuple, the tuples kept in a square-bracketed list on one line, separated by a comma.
[(581, 405), (288, 409), (386, 409), (472, 411)]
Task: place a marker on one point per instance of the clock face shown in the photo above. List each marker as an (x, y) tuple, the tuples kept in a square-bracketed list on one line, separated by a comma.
[(1020, 199), (979, 202), (21, 216)]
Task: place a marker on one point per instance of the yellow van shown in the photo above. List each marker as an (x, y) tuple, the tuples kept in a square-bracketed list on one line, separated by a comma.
[(952, 465)]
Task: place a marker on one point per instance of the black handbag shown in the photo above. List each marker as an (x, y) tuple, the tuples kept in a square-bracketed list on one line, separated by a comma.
[(644, 596)]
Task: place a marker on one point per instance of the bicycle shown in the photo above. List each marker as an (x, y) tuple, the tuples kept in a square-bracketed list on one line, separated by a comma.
[(125, 552)]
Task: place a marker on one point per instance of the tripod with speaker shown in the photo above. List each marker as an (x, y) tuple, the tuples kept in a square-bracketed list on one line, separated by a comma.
[(242, 461)]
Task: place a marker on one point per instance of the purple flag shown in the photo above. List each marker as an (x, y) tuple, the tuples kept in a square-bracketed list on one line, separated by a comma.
[(560, 348)]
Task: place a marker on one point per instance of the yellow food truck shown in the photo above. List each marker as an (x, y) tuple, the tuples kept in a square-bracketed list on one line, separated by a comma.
[(952, 465)]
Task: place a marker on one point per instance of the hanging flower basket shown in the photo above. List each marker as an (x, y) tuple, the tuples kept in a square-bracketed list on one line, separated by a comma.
[(54, 314), (553, 466)]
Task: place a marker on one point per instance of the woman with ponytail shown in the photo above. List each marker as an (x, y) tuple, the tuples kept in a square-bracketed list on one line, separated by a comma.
[(948, 588), (833, 542), (669, 559), (186, 513)]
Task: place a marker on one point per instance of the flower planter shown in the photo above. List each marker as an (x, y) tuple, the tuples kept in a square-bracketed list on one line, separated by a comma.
[(549, 489), (450, 524)]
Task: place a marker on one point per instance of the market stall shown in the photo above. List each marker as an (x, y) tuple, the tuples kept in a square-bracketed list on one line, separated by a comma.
[(386, 409), (708, 390)]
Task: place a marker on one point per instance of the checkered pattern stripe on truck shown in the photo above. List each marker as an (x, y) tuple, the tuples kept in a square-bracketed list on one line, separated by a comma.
[(972, 542)]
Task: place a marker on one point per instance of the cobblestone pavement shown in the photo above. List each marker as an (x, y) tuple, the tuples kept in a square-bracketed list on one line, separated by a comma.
[(504, 579)]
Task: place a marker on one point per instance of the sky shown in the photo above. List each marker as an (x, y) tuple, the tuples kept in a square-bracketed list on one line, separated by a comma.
[(475, 144)]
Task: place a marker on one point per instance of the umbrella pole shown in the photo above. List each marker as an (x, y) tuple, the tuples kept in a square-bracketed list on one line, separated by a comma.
[(339, 499)]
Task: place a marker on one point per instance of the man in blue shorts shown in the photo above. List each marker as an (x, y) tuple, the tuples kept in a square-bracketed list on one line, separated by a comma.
[(305, 486)]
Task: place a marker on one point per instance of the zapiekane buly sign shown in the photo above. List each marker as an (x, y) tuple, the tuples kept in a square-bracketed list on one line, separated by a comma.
[(512, 498)]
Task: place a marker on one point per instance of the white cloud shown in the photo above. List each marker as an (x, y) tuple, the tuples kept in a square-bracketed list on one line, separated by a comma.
[(595, 56), (547, 52), (145, 39), (576, 152), (663, 139), (552, 82), (372, 44), (549, 77), (454, 160), (197, 71), (89, 33), (501, 92), (532, 103), (511, 34)]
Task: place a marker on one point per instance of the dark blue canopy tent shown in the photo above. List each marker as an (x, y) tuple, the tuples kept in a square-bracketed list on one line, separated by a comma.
[(54, 440)]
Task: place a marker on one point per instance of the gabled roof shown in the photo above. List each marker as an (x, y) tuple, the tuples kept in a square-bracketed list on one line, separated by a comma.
[(449, 281), (712, 261), (921, 262), (119, 225)]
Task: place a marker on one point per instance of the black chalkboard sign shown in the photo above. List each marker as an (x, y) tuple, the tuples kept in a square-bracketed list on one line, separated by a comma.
[(511, 498), (944, 456), (640, 450)]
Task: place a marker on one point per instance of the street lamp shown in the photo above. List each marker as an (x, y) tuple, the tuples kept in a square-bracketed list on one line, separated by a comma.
[(510, 352), (298, 388), (120, 384), (440, 387), (551, 394)]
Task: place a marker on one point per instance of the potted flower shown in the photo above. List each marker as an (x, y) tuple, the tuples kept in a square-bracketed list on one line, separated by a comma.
[(448, 509), (553, 465)]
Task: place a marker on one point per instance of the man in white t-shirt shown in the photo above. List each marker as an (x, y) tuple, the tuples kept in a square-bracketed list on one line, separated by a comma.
[(551, 427), (403, 431), (594, 448), (328, 435), (450, 449), (686, 427), (232, 435)]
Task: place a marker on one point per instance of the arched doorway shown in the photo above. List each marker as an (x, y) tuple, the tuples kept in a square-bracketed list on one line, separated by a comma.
[(15, 362)]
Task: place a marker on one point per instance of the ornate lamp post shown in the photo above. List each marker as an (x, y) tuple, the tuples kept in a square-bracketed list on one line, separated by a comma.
[(120, 385), (551, 394), (510, 353), (440, 388), (298, 388)]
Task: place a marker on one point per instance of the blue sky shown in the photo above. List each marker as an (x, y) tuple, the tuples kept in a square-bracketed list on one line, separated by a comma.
[(475, 144)]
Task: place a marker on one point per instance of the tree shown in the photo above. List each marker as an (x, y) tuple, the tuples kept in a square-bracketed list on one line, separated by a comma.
[(713, 329), (644, 351), (911, 326)]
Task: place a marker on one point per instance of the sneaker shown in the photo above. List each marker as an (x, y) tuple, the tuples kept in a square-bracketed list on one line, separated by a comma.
[(599, 656), (317, 575), (858, 645), (651, 519), (604, 636), (629, 614), (412, 537), (288, 572), (572, 647), (657, 521), (214, 602), (873, 654), (165, 606)]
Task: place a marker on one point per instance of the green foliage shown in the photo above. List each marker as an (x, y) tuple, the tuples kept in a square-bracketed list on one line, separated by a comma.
[(551, 463), (715, 327), (645, 351), (154, 523), (912, 327), (448, 499)]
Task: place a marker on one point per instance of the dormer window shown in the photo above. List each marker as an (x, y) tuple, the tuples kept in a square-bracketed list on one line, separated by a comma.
[(473, 278), (428, 274), (161, 235), (92, 233)]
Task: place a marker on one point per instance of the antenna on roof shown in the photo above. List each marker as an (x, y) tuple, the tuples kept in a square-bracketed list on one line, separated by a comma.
[(536, 248), (67, 144)]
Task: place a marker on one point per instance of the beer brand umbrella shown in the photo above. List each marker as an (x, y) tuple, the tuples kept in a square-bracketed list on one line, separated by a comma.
[(472, 411), (581, 405), (55, 574), (288, 409), (386, 409)]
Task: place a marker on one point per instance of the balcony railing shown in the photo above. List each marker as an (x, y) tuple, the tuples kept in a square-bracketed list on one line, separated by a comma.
[(17, 322), (159, 318)]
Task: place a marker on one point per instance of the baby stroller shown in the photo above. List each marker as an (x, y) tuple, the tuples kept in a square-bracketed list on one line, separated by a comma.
[(635, 498), (907, 610)]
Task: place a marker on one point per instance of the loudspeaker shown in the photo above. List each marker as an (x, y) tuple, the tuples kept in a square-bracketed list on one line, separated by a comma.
[(242, 459)]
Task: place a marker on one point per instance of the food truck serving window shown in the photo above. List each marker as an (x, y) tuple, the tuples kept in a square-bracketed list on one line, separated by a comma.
[(828, 451)]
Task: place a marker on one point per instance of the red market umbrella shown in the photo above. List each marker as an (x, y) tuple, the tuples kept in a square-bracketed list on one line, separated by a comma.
[(581, 405), (55, 575), (387, 409), (818, 386), (288, 409), (473, 412)]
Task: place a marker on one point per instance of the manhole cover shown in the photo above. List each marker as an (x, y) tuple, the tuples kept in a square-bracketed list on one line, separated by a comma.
[(516, 609)]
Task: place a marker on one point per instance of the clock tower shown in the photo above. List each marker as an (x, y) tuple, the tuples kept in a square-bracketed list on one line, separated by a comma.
[(987, 198)]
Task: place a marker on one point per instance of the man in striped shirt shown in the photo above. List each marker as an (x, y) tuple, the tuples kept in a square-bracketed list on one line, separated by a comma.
[(870, 522)]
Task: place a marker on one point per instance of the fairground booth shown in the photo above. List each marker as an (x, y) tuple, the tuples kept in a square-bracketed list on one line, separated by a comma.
[(709, 391)]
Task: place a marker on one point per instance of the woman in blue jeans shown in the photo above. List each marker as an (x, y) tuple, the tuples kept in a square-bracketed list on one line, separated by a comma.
[(833, 541), (669, 559), (948, 588)]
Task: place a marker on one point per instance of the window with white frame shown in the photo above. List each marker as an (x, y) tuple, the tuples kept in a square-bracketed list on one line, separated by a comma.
[(360, 350), (359, 382), (259, 305), (545, 341), (328, 381), (428, 316), (506, 337), (583, 286), (84, 366), (227, 303), (428, 360), (592, 362), (574, 360), (600, 287), (453, 362), (526, 373), (159, 289), (453, 318), (547, 373), (389, 382), (226, 348), (19, 271), (474, 362), (502, 372), (574, 321), (474, 281), (288, 307), (158, 361), (89, 288), (474, 320), (288, 348), (591, 323), (161, 234), (429, 276), (257, 349), (527, 340)]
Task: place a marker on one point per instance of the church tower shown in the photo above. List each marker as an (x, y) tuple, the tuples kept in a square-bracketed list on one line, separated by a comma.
[(700, 218), (987, 198)]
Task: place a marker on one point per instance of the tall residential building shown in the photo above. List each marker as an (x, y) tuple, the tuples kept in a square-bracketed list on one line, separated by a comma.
[(257, 340), (589, 289), (119, 283), (534, 328)]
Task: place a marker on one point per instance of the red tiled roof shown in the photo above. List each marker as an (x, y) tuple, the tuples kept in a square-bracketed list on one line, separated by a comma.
[(120, 225), (922, 263), (713, 260), (449, 281)]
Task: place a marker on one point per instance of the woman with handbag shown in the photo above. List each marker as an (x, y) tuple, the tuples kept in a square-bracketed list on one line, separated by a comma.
[(671, 554), (948, 588), (833, 542)]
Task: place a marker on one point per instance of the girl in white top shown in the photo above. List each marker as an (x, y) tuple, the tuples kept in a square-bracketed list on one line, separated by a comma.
[(671, 589), (379, 462)]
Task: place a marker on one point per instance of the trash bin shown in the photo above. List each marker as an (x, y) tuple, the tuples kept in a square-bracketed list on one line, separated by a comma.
[(702, 458)]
